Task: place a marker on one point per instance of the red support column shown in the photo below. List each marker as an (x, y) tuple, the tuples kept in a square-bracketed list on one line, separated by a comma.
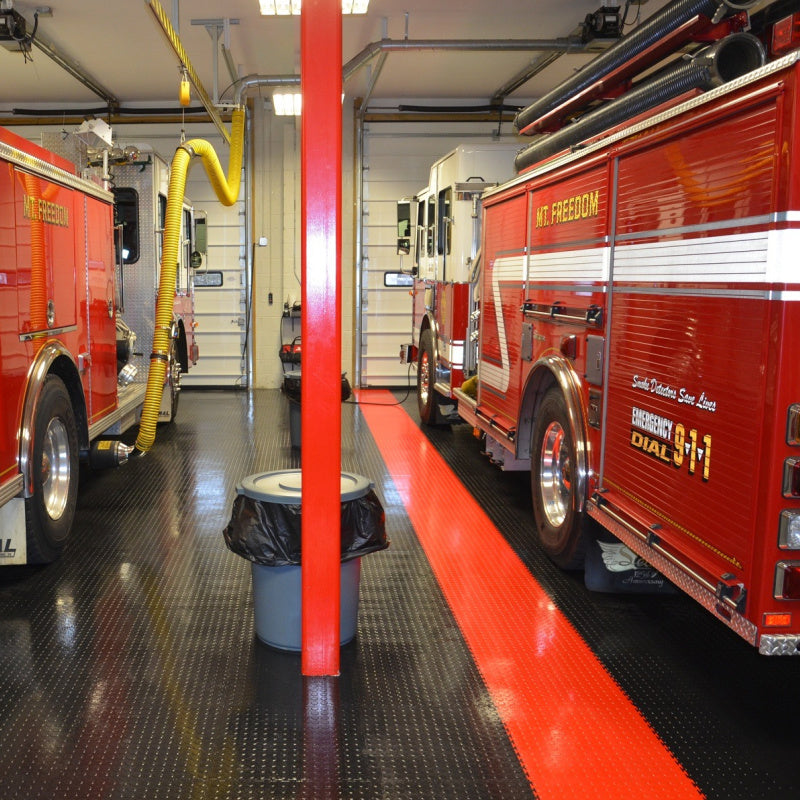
[(321, 189)]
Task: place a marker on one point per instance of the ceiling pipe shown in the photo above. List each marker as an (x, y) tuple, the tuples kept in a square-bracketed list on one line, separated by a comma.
[(552, 47), (244, 85), (373, 79), (557, 47), (73, 69), (560, 45), (119, 112), (521, 78), (539, 64)]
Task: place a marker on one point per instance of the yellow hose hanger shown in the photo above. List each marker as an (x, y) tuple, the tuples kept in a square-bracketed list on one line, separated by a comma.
[(227, 191), (185, 90)]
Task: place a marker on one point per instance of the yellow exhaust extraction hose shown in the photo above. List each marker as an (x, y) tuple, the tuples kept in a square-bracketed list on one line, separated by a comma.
[(227, 192)]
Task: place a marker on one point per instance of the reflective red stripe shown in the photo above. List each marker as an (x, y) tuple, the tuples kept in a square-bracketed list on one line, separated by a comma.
[(575, 731)]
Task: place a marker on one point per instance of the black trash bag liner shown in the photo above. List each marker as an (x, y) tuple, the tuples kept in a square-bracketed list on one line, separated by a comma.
[(363, 526), (269, 533)]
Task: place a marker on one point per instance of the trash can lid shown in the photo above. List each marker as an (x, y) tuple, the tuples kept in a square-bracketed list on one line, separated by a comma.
[(285, 486)]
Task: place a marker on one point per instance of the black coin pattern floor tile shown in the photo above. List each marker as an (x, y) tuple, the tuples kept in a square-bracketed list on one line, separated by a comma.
[(129, 668)]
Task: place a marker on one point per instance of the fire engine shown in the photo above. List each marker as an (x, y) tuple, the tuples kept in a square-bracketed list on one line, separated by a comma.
[(73, 368), (447, 226), (628, 333)]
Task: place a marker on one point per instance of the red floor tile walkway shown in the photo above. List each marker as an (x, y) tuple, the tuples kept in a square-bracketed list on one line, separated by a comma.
[(576, 733)]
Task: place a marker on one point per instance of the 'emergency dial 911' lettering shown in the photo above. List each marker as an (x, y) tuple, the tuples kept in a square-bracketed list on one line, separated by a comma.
[(687, 449), (670, 443)]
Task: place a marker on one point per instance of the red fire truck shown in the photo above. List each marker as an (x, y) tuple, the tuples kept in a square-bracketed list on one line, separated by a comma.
[(447, 225), (72, 368), (639, 302)]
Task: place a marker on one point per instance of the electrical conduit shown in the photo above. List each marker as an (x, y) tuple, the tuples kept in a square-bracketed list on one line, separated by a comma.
[(227, 192)]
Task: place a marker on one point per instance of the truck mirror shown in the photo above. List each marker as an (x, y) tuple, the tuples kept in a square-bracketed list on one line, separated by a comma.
[(200, 232), (403, 227)]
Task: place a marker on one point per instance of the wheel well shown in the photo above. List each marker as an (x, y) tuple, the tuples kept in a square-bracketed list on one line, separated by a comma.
[(553, 370), (65, 369), (182, 347), (539, 380), (429, 324), (52, 359), (425, 325)]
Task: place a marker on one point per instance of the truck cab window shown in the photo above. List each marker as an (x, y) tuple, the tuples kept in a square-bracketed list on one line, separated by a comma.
[(431, 229), (126, 214), (445, 222), (419, 248)]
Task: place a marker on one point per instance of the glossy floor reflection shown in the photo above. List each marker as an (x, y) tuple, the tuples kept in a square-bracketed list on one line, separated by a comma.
[(129, 668)]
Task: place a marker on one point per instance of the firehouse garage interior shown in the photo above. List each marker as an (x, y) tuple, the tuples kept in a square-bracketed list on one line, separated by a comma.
[(524, 316)]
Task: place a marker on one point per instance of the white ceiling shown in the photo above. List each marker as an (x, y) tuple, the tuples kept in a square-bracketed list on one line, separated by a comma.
[(119, 44)]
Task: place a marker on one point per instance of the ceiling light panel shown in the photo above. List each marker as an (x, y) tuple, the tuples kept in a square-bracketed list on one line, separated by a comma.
[(282, 8)]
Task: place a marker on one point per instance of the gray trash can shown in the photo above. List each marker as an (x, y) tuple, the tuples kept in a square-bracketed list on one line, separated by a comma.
[(292, 390), (277, 590)]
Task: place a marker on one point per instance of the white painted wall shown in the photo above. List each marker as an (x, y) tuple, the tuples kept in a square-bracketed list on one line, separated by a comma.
[(276, 216), (397, 157)]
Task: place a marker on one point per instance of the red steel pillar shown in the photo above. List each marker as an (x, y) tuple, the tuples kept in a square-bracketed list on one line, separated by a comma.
[(321, 422)]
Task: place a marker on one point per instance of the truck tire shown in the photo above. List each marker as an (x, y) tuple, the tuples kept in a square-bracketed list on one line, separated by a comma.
[(173, 379), (426, 378), (50, 510), (559, 524)]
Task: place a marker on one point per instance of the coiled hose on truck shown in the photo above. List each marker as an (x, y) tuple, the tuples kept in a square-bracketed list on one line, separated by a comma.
[(724, 61), (643, 39), (227, 191)]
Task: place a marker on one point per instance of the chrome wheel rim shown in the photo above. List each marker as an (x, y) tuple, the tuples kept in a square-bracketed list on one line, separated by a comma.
[(174, 376), (56, 468), (424, 379), (555, 474)]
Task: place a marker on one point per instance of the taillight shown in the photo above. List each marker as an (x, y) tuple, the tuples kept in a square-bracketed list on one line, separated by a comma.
[(789, 530), (786, 34), (777, 619), (787, 580), (791, 477), (793, 424)]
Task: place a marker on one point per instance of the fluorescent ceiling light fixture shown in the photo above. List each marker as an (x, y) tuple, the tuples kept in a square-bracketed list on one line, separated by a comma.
[(279, 7), (283, 8), (287, 104)]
